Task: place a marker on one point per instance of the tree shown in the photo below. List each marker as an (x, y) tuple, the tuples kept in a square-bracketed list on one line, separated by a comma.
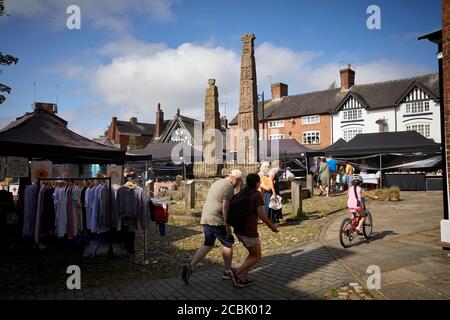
[(5, 60), (132, 144), (333, 85)]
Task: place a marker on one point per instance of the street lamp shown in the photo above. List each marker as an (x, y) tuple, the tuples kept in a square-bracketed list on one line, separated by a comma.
[(263, 120)]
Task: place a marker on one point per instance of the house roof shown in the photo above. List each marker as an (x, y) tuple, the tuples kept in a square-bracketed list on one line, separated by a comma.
[(107, 142), (186, 122), (373, 96), (42, 134), (140, 128)]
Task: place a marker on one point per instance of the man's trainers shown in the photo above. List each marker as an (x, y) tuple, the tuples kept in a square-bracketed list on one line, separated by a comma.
[(244, 284), (227, 274), (186, 273)]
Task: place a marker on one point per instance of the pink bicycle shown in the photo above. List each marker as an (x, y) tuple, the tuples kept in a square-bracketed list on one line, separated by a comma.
[(347, 231)]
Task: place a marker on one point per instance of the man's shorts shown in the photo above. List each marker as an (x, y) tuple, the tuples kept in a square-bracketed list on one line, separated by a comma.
[(217, 232), (248, 242)]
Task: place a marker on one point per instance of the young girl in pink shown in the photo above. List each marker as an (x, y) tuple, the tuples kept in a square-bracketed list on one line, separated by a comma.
[(354, 201)]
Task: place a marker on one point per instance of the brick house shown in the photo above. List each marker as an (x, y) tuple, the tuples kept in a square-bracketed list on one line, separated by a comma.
[(318, 119), (178, 129), (304, 117)]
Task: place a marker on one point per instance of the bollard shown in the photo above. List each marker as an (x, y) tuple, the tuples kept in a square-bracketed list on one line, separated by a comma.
[(190, 195), (310, 183), (296, 196)]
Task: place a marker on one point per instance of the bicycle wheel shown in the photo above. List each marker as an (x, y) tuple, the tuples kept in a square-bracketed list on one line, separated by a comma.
[(345, 237), (368, 226)]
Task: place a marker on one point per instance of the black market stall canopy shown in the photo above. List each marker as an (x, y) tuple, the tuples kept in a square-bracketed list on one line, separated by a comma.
[(42, 134), (162, 152), (287, 148), (383, 143)]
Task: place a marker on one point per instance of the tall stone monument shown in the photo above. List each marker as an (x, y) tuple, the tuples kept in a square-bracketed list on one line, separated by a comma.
[(248, 103), (212, 145)]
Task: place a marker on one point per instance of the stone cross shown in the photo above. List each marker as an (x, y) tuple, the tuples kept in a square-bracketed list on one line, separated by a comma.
[(248, 102), (211, 143)]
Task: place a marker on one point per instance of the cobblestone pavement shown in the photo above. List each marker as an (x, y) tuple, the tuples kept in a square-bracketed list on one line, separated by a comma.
[(405, 245), (306, 273)]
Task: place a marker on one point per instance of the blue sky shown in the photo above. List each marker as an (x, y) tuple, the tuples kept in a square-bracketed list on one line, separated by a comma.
[(130, 55)]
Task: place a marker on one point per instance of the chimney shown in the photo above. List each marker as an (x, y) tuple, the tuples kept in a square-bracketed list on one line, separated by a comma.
[(50, 107), (224, 122), (347, 78), (178, 112), (114, 127), (279, 90), (159, 121), (133, 120)]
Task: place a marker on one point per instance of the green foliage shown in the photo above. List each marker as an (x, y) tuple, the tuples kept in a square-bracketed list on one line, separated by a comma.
[(5, 60), (333, 85), (132, 143)]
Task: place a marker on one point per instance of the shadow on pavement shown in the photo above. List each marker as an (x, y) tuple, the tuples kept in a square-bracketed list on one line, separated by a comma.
[(301, 274)]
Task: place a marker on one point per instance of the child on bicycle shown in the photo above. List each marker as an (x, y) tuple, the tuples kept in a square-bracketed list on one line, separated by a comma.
[(355, 199)]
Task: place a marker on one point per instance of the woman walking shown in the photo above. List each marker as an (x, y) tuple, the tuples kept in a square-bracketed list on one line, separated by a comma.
[(248, 232), (324, 171), (269, 188)]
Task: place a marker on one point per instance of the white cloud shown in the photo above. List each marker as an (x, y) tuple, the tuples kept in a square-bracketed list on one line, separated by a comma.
[(99, 14), (175, 77), (70, 70), (139, 75)]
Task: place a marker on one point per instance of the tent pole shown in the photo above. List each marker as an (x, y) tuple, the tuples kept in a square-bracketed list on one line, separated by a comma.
[(381, 174)]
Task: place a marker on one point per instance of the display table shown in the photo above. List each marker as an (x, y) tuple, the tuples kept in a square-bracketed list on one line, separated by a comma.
[(406, 182), (434, 183), (372, 178)]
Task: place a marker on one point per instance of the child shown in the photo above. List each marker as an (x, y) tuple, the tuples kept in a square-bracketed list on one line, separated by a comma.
[(355, 196)]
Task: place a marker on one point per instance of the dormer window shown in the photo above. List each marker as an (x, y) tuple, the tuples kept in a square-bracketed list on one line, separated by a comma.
[(417, 107), (354, 114)]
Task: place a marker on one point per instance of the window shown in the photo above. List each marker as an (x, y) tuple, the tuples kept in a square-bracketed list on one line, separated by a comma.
[(351, 133), (276, 136), (417, 107), (423, 129), (311, 120), (311, 137), (276, 124), (354, 114)]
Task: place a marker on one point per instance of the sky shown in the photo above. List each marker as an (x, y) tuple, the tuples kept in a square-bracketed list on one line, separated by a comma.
[(129, 55)]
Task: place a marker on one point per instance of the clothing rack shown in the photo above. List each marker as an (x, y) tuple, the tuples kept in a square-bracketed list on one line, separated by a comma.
[(110, 251)]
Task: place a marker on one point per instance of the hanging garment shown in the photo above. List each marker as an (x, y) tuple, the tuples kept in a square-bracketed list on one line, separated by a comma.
[(62, 213), (29, 210), (83, 207), (39, 211), (48, 215)]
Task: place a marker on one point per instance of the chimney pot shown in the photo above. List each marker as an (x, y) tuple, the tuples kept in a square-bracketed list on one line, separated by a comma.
[(347, 78), (279, 90), (133, 120), (159, 121), (50, 107)]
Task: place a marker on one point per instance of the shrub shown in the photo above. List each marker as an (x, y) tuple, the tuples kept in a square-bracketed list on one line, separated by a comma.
[(390, 194)]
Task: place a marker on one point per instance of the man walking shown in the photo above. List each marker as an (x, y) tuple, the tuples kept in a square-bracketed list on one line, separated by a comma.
[(214, 217)]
